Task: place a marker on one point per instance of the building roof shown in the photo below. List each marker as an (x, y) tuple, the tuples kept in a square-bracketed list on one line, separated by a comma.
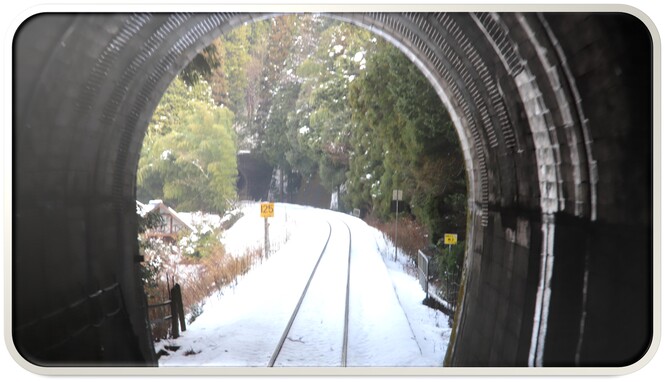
[(144, 209)]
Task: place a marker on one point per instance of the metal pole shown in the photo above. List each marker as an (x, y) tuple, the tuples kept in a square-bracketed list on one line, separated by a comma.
[(266, 244)]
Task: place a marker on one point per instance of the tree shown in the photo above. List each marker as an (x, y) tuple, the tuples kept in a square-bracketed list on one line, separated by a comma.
[(317, 95), (324, 120), (189, 154), (202, 65), (276, 128), (405, 140), (232, 65)]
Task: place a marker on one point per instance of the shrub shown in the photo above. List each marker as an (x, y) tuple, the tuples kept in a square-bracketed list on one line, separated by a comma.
[(411, 236), (447, 265)]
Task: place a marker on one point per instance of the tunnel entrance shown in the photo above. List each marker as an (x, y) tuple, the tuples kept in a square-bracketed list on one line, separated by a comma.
[(554, 113)]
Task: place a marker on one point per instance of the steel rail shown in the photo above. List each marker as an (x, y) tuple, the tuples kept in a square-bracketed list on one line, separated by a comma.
[(280, 344), (345, 341), (345, 338)]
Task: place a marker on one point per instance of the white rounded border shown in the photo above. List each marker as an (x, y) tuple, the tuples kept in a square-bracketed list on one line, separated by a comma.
[(12, 17)]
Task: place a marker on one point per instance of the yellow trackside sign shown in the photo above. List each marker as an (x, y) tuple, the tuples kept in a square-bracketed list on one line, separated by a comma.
[(267, 210), (450, 238)]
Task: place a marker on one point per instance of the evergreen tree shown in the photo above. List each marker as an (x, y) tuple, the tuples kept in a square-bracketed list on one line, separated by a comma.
[(325, 134), (312, 95), (405, 140)]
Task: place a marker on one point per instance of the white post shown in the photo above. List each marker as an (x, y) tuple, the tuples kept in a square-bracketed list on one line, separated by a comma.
[(396, 212)]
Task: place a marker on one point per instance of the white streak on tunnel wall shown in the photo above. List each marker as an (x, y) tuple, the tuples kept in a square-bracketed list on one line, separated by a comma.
[(584, 122), (585, 289), (577, 158), (592, 168), (548, 152), (543, 294), (548, 161), (548, 180)]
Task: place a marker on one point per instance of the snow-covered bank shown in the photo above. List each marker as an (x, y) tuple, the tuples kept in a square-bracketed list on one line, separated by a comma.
[(248, 231), (241, 325)]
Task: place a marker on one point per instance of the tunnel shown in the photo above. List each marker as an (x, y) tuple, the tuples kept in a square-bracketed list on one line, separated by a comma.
[(254, 175), (554, 113)]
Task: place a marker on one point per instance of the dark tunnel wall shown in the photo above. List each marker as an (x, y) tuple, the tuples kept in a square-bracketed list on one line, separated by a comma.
[(554, 113)]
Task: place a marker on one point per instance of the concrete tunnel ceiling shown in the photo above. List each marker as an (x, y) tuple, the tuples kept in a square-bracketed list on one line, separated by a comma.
[(554, 113)]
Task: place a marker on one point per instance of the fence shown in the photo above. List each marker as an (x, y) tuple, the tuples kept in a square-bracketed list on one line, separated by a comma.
[(176, 312), (445, 284), (423, 272), (449, 286)]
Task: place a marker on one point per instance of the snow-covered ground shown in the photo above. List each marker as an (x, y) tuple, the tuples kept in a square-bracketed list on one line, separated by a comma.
[(242, 324)]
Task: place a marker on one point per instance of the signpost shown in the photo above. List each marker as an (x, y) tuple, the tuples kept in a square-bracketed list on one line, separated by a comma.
[(267, 211), (397, 196), (450, 239)]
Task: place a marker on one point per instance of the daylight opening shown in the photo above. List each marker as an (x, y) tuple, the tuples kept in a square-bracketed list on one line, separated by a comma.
[(341, 131)]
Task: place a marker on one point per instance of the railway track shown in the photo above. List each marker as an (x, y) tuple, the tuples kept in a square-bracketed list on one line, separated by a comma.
[(318, 307)]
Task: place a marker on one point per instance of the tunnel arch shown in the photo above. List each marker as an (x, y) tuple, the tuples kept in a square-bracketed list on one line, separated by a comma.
[(554, 113)]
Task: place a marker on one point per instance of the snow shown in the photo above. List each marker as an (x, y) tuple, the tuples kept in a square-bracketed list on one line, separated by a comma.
[(202, 223), (334, 201), (359, 56), (247, 233), (242, 324), (165, 155)]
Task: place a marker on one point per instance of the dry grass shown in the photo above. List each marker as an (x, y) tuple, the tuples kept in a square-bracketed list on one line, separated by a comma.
[(219, 269), (213, 272), (411, 236)]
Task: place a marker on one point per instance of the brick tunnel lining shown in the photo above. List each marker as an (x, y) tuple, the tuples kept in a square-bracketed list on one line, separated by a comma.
[(85, 91)]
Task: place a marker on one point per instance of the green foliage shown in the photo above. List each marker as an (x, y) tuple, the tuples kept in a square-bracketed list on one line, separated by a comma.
[(202, 65), (404, 140), (448, 259), (313, 95), (447, 267), (316, 97), (339, 59), (151, 220), (148, 270), (340, 102), (202, 245), (233, 66), (304, 126), (189, 153), (277, 138)]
